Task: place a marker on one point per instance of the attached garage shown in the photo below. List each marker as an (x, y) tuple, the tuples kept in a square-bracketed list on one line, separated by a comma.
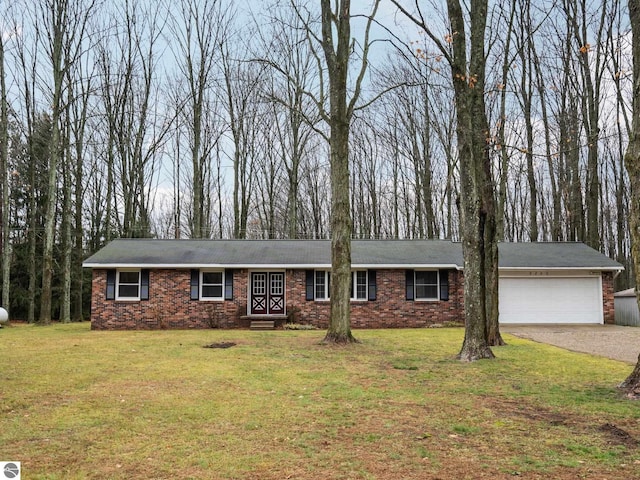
[(551, 299), (555, 282)]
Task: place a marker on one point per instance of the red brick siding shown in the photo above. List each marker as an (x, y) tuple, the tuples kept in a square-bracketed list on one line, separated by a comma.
[(170, 306), (607, 298), (389, 310)]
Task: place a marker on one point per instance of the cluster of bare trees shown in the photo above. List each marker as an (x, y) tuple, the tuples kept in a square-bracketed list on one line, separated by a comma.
[(204, 119)]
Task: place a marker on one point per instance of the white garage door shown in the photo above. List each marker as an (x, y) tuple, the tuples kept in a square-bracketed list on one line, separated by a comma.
[(550, 300)]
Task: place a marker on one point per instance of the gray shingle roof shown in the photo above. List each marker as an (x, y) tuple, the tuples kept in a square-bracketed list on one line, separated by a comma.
[(554, 255), (317, 254)]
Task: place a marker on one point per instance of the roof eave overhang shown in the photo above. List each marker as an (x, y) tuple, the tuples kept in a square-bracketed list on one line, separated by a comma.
[(586, 269), (307, 266), (290, 266)]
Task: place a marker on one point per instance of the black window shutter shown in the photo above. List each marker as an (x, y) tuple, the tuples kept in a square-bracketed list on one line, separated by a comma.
[(444, 285), (228, 284), (144, 284), (373, 287), (111, 284), (309, 284), (195, 284), (409, 281)]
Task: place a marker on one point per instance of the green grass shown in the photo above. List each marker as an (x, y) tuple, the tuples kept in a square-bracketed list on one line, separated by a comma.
[(78, 404)]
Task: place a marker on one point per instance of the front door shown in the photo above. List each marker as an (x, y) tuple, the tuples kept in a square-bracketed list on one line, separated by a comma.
[(267, 293)]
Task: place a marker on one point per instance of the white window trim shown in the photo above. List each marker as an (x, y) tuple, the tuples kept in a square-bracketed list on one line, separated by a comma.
[(354, 277), (415, 286), (128, 299), (201, 285), (327, 274)]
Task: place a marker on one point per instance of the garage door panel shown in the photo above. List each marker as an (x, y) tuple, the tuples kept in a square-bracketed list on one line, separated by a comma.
[(550, 300)]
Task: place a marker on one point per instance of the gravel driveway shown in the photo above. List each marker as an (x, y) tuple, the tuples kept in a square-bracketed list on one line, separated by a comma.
[(612, 341)]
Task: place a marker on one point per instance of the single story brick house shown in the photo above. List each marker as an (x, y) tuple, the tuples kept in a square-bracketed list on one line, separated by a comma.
[(148, 283)]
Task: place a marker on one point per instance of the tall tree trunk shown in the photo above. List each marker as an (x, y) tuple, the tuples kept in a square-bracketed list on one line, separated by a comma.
[(59, 21), (65, 23), (396, 193), (527, 100), (65, 297), (5, 241), (591, 70), (28, 69), (477, 201), (426, 180), (240, 103), (337, 58), (502, 122), (556, 230), (336, 53), (477, 205), (632, 162), (79, 127), (66, 214)]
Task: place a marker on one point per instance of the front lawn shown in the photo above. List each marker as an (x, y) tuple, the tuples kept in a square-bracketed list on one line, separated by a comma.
[(79, 404)]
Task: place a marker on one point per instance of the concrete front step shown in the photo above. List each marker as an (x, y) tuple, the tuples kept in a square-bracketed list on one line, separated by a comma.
[(262, 325), (257, 322)]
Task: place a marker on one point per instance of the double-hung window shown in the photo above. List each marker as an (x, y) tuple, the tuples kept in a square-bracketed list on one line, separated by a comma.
[(359, 285), (426, 284), (128, 285), (322, 285), (212, 285)]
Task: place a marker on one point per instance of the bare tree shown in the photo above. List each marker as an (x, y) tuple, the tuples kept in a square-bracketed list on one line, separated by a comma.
[(617, 56), (241, 93), (410, 102), (293, 67), (55, 16), (315, 186), (26, 77), (5, 243), (591, 69), (477, 197), (82, 89), (368, 176), (200, 28), (336, 45), (135, 124), (632, 162), (64, 22), (541, 86), (271, 210), (525, 41), (65, 214)]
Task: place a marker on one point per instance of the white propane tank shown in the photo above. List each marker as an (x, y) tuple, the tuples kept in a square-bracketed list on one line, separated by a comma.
[(4, 316)]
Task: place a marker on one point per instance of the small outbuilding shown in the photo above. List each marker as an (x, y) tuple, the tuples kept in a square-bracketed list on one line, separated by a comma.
[(626, 308)]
